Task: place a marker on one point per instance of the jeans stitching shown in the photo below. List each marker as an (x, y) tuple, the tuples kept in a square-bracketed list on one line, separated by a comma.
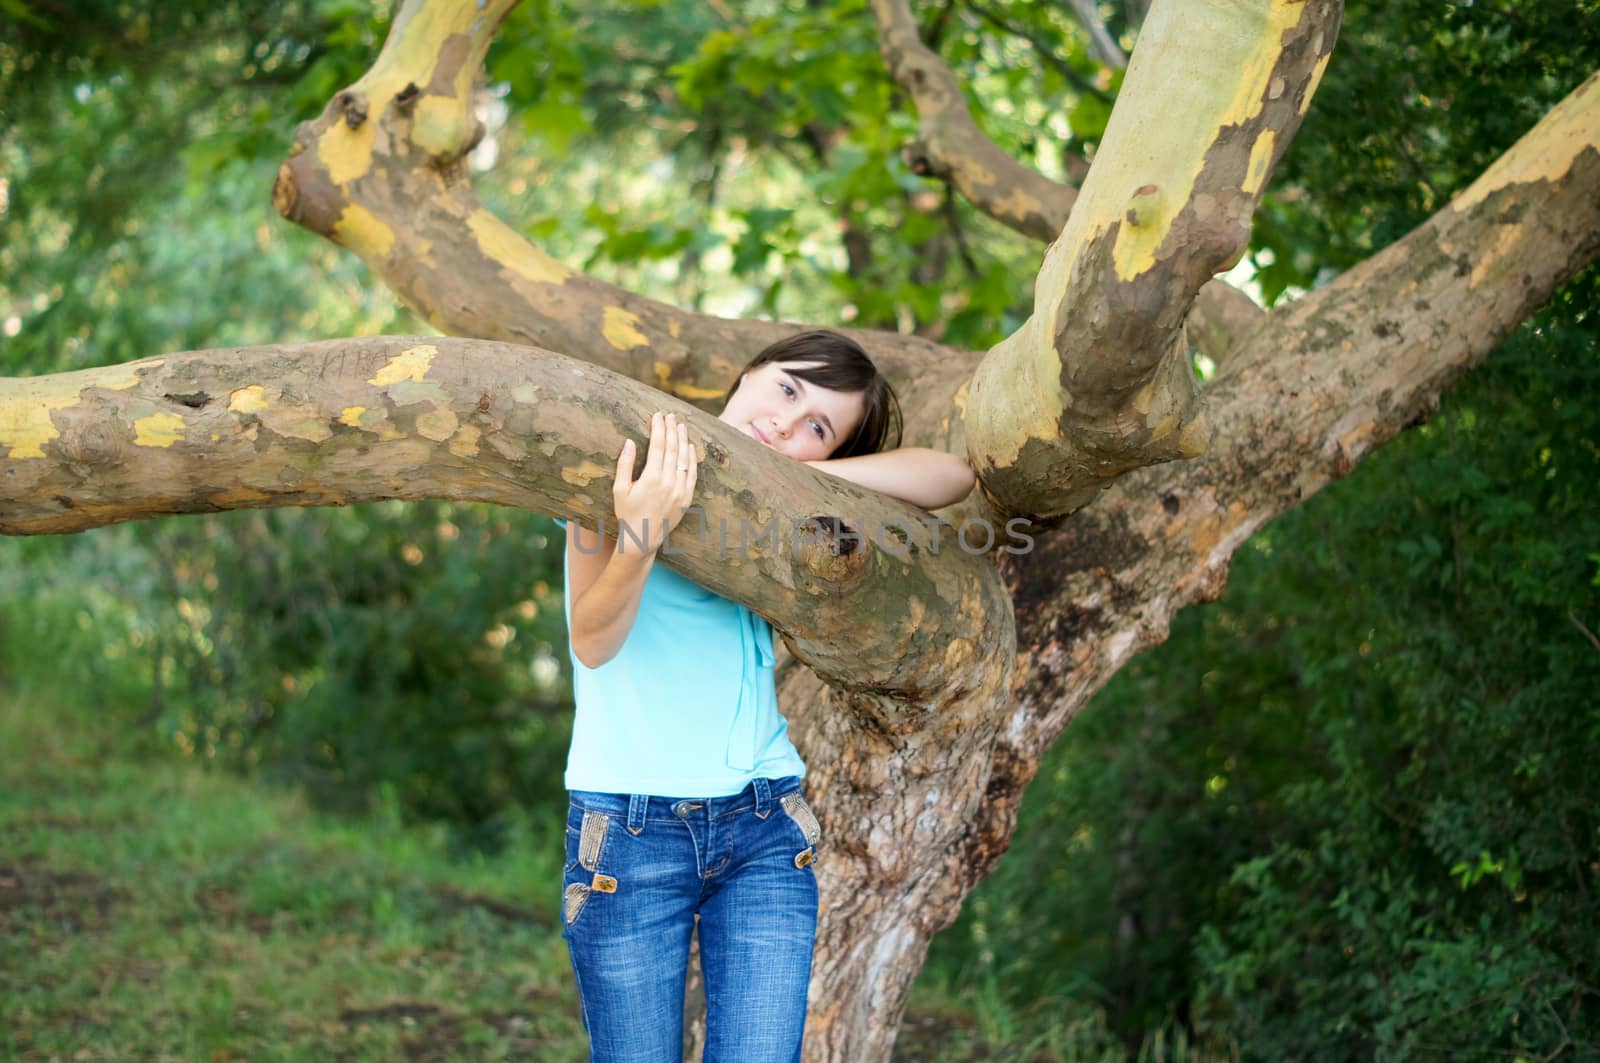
[(592, 839), (595, 945), (568, 865), (795, 805), (574, 899), (616, 805)]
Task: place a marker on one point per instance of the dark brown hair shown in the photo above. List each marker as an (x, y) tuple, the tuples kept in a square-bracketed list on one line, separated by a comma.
[(838, 363)]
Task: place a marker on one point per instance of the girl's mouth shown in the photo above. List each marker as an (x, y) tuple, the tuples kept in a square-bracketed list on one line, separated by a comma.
[(759, 436)]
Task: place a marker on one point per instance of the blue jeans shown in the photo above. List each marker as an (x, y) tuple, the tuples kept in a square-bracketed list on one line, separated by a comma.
[(639, 869)]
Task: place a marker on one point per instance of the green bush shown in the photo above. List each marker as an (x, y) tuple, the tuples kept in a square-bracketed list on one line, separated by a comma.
[(417, 650), (1350, 809)]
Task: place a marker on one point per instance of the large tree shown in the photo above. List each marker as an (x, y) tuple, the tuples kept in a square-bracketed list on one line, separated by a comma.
[(929, 672)]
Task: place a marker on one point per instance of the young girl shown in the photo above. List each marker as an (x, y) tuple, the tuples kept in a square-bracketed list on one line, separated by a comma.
[(685, 788)]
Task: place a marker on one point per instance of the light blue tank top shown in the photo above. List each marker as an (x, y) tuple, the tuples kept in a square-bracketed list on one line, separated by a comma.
[(688, 707)]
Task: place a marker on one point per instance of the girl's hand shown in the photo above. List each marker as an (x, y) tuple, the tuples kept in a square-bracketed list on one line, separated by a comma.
[(651, 506)]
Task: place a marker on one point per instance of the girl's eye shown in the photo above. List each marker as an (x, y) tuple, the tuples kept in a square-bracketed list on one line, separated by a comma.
[(818, 428), (787, 390)]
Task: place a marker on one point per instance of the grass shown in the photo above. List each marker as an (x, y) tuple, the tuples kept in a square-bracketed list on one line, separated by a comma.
[(153, 908)]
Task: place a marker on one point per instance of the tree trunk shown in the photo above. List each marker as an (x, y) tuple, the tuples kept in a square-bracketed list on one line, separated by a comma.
[(923, 684)]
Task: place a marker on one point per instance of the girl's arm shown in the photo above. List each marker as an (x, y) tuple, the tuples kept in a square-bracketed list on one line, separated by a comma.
[(605, 589), (605, 580), (928, 478)]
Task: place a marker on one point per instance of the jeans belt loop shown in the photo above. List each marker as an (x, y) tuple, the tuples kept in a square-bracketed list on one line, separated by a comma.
[(763, 790), (638, 805)]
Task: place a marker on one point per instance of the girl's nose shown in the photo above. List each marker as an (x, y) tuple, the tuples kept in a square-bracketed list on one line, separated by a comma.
[(780, 428)]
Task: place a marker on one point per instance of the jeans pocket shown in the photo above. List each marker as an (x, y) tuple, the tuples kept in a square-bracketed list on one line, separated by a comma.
[(573, 898), (794, 805), (592, 838), (584, 846)]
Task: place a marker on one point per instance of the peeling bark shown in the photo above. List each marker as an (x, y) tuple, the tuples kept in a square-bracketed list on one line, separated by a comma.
[(351, 421), (952, 148), (1098, 381), (1325, 381), (383, 173), (934, 684)]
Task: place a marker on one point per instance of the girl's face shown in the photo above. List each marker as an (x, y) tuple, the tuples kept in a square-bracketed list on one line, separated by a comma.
[(804, 421)]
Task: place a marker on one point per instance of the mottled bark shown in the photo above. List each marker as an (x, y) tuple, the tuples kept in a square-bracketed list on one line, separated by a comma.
[(349, 421), (1326, 380), (383, 172), (1098, 381), (1322, 382), (917, 783), (951, 147)]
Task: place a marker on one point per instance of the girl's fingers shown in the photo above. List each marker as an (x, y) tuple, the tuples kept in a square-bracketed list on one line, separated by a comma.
[(686, 469), (685, 459), (624, 478), (656, 459)]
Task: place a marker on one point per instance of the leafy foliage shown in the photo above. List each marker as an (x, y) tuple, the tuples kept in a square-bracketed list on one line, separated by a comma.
[(1432, 889), (1346, 807), (1419, 98), (119, 123), (415, 653), (1351, 804), (408, 654)]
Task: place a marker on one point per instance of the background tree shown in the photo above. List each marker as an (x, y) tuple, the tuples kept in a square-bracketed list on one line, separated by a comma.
[(1114, 524), (1282, 814)]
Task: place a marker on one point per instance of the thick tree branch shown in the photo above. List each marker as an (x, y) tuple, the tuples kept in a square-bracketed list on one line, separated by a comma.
[(952, 147), (1098, 382), (918, 756), (350, 421), (1325, 380), (383, 173), (1222, 320), (1373, 350)]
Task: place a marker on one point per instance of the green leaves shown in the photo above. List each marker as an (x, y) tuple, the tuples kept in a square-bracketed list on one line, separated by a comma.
[(414, 650), (768, 232), (658, 240), (1397, 684), (16, 9), (1419, 98), (715, 64), (555, 123), (1088, 118), (543, 56), (1507, 870)]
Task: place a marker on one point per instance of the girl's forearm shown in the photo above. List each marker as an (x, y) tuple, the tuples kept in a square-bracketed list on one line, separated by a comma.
[(603, 614), (928, 478)]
